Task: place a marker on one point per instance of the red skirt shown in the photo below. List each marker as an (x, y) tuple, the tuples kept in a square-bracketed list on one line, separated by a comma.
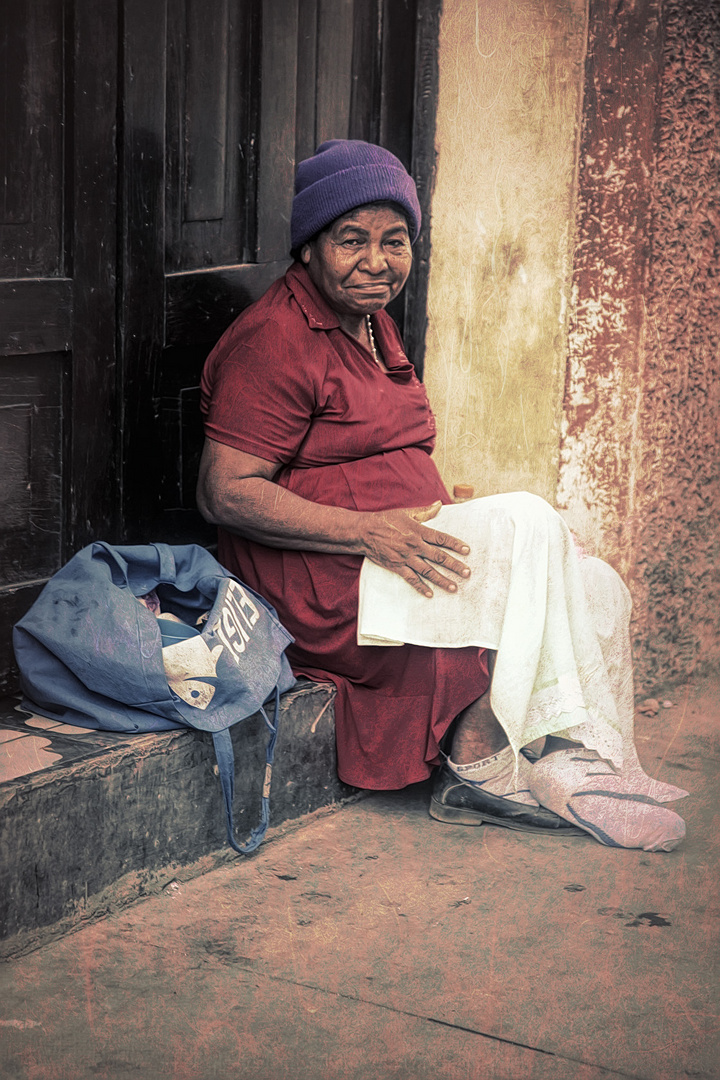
[(394, 704)]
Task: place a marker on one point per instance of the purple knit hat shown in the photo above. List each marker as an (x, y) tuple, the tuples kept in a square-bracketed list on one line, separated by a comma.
[(343, 174)]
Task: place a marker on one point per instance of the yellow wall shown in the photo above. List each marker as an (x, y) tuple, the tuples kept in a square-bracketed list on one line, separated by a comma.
[(508, 111)]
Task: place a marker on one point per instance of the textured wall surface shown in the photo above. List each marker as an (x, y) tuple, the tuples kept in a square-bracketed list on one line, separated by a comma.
[(611, 409), (676, 573), (603, 394), (508, 111), (640, 455)]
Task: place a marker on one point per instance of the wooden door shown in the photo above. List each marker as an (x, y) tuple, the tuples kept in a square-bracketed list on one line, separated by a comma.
[(221, 100), (59, 440), (149, 155)]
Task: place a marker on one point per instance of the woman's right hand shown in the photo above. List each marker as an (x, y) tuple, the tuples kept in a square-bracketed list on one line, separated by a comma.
[(400, 541)]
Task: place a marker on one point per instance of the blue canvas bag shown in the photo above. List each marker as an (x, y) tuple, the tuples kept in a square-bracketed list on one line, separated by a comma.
[(91, 653)]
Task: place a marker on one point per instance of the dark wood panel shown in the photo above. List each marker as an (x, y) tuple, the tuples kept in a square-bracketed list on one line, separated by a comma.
[(14, 602), (31, 475), (94, 483), (334, 69), (206, 95), (175, 112), (201, 305), (212, 105), (305, 141), (423, 166), (173, 449), (276, 166), (35, 316), (16, 151), (32, 104), (398, 71), (365, 102), (180, 432), (143, 255)]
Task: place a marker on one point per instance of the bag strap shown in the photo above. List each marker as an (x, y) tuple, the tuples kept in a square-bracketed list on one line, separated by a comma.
[(226, 767), (166, 560)]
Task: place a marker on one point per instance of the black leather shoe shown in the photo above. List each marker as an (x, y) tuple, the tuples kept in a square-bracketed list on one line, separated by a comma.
[(462, 803)]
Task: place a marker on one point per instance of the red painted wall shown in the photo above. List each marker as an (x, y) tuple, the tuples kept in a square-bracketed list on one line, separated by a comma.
[(640, 453), (677, 565)]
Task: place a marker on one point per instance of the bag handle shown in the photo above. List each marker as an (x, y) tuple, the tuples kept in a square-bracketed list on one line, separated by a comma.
[(166, 559), (226, 767)]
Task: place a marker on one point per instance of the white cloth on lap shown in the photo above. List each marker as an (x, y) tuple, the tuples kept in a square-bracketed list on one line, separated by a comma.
[(563, 662)]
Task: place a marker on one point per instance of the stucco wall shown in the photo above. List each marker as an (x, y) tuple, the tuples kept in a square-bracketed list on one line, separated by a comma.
[(510, 79), (601, 448), (676, 571), (640, 470), (574, 297)]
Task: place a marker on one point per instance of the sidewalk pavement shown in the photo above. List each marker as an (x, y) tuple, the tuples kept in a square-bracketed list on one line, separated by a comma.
[(373, 943)]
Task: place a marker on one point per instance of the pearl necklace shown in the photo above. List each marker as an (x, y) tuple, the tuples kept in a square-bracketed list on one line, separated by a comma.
[(373, 347)]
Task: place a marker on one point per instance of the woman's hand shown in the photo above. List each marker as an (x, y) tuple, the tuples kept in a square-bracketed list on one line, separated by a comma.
[(399, 541), (236, 491)]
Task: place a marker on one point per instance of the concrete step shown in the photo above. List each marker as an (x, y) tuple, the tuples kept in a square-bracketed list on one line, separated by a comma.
[(90, 820)]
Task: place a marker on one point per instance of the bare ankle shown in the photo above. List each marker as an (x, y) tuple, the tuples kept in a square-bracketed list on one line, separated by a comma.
[(478, 734)]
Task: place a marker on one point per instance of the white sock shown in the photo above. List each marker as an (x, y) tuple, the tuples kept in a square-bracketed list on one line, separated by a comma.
[(498, 776)]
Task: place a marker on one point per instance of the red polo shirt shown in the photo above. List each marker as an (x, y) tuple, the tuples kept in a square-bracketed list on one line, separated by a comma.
[(287, 384)]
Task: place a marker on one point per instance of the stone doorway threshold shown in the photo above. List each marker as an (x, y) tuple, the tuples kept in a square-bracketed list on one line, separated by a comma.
[(91, 820)]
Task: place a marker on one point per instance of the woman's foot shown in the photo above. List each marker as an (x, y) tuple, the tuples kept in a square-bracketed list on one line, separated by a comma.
[(499, 775), (481, 781), (460, 802), (612, 805)]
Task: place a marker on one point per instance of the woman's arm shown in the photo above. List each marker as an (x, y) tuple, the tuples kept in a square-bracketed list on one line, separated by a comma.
[(236, 491)]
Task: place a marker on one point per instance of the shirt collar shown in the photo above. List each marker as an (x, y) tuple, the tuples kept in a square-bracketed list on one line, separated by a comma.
[(320, 316), (317, 311)]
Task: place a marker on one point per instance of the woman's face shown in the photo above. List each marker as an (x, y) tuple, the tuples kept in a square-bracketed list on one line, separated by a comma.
[(362, 261)]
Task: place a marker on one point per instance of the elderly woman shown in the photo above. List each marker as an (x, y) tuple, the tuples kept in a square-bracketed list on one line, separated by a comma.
[(318, 456)]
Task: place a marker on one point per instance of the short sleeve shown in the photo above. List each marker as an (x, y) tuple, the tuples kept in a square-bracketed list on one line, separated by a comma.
[(258, 396)]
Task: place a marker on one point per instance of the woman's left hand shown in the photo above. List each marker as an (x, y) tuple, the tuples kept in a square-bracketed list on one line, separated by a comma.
[(399, 541), (236, 491)]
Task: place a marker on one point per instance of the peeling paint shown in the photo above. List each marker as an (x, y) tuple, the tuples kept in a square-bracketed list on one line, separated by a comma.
[(640, 442), (576, 354), (676, 574)]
